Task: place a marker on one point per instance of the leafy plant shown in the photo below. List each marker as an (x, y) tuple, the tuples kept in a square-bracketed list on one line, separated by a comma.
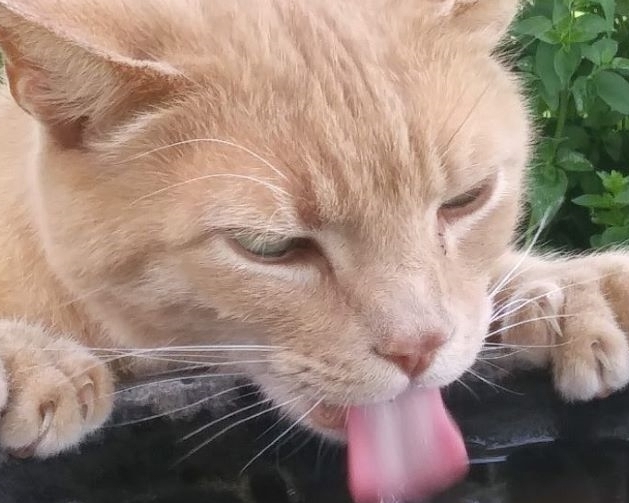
[(574, 57)]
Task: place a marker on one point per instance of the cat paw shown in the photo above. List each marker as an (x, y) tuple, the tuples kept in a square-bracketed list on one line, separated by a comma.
[(592, 360), (56, 392), (569, 321)]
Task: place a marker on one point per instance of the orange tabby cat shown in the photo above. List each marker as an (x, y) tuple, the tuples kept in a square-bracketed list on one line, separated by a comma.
[(333, 186)]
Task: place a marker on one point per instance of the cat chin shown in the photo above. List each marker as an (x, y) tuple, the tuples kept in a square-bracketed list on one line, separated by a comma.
[(329, 421)]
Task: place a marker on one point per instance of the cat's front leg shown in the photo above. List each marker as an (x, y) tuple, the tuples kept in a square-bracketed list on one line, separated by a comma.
[(52, 391), (569, 314)]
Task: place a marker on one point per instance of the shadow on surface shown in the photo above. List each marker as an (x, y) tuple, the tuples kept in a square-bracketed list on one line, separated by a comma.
[(526, 447)]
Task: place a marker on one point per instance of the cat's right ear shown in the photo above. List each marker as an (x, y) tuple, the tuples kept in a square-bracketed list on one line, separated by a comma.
[(74, 87), (482, 21)]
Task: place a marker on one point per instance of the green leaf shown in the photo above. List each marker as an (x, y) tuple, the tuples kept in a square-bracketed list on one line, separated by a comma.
[(620, 65), (613, 145), (595, 241), (591, 23), (590, 183), (601, 52), (609, 218), (577, 137), (560, 12), (571, 160), (550, 101), (566, 63), (526, 64), (614, 235), (545, 68), (546, 151), (587, 27), (547, 192), (552, 37), (613, 89), (622, 8), (614, 181), (622, 198), (603, 201), (534, 26), (592, 54), (607, 48), (592, 129), (609, 9), (580, 94)]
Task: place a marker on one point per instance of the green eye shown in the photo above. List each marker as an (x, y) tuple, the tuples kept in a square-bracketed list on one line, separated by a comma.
[(266, 246)]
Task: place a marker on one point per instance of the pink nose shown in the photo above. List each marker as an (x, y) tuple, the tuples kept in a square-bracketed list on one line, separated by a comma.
[(412, 355)]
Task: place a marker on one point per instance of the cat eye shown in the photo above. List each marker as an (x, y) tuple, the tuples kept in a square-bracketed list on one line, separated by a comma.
[(466, 203), (267, 246)]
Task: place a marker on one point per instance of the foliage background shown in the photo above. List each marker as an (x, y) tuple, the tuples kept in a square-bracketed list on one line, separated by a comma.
[(574, 58)]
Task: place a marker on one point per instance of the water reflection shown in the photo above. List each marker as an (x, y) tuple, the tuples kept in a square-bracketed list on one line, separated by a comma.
[(570, 472), (509, 437)]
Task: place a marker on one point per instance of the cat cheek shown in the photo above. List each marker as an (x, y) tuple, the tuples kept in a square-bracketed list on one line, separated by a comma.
[(461, 351), (454, 359), (441, 235)]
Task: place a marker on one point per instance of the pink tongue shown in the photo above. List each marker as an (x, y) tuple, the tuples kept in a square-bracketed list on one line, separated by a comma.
[(408, 448)]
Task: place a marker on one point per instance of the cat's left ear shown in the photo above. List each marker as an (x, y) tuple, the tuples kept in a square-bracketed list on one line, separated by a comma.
[(485, 21), (75, 80)]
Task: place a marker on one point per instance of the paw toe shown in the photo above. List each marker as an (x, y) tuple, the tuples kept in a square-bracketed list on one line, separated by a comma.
[(93, 385), (578, 381), (44, 416), (594, 369)]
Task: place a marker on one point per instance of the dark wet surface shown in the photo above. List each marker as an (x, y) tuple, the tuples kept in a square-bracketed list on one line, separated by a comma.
[(526, 447)]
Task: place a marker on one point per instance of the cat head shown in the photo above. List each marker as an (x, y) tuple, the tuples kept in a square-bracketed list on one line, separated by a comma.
[(334, 181)]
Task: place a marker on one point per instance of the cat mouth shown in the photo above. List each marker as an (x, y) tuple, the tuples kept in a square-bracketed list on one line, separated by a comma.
[(408, 447)]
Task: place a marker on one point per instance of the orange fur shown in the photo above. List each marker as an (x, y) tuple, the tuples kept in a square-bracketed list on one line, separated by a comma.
[(140, 134)]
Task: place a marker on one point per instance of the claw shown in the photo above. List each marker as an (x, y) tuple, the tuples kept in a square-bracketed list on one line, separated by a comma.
[(553, 323), (604, 393), (550, 306), (86, 398), (48, 413), (4, 388)]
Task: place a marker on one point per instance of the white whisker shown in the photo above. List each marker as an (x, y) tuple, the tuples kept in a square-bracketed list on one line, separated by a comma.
[(234, 425), (468, 388), (499, 345), (492, 384), (210, 140), (288, 430), (223, 418), (554, 290), (524, 256), (309, 437), (175, 379), (524, 322), (282, 417), (503, 354), (181, 409), (206, 348), (267, 184)]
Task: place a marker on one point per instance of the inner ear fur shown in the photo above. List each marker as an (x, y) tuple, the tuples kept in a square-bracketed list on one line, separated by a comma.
[(70, 85), (484, 21)]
